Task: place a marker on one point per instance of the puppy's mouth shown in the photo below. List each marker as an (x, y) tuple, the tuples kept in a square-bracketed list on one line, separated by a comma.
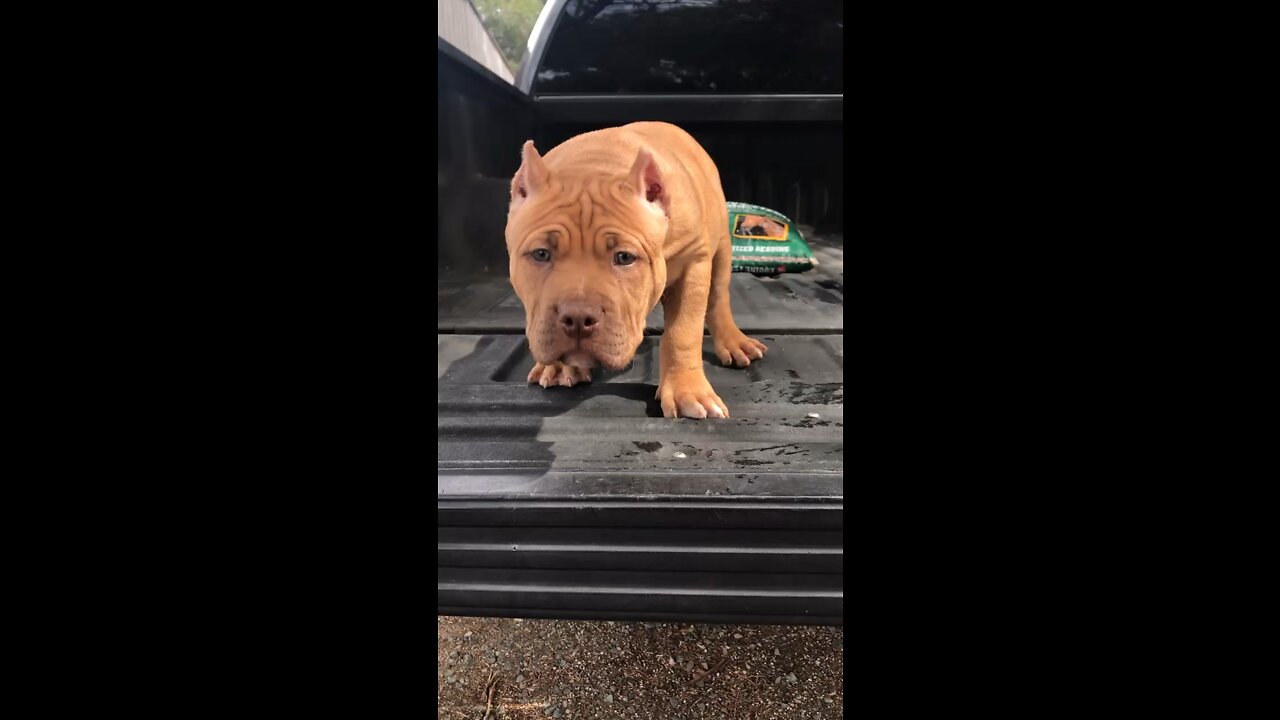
[(582, 357), (604, 347), (579, 359)]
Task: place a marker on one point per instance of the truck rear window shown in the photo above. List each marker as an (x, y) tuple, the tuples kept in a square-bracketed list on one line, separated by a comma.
[(695, 46)]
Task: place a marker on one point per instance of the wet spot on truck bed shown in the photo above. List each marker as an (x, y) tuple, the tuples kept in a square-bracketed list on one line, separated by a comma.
[(820, 394)]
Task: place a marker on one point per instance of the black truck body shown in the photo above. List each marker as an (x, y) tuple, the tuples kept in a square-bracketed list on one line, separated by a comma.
[(585, 502)]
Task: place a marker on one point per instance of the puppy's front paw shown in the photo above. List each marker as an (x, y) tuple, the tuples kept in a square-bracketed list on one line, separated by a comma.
[(738, 349), (558, 374), (688, 394)]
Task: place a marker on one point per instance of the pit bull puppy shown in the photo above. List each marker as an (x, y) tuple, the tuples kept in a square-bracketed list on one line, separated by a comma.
[(601, 229)]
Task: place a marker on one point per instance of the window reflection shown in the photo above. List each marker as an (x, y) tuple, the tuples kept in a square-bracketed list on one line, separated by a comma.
[(692, 46)]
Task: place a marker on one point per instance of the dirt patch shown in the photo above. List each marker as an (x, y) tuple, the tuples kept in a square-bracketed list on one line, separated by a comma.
[(612, 670)]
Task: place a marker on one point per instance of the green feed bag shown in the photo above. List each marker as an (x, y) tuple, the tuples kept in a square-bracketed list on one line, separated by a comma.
[(765, 242)]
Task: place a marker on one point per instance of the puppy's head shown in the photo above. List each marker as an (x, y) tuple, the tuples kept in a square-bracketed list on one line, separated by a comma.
[(586, 257)]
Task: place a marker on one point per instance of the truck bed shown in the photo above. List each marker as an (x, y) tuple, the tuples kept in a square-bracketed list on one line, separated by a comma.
[(585, 502)]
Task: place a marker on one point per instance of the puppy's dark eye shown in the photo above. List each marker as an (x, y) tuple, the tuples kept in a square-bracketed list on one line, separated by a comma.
[(541, 255), (623, 258)]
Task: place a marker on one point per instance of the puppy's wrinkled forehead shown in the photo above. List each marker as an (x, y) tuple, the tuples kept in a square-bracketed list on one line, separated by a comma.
[(577, 241), (588, 215)]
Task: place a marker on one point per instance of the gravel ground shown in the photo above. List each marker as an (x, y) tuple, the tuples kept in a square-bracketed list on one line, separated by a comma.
[(614, 670)]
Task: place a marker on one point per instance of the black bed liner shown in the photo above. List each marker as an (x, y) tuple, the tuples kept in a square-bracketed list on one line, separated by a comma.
[(585, 503)]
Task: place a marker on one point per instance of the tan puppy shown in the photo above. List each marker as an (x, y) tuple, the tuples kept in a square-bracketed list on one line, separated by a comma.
[(601, 229)]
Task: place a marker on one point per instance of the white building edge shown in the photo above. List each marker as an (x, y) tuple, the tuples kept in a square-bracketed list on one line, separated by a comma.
[(459, 24)]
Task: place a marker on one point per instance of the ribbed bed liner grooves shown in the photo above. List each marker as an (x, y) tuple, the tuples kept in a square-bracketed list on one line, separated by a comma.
[(585, 503)]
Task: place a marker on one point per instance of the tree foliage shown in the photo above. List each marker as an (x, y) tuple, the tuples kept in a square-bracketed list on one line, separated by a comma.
[(510, 22)]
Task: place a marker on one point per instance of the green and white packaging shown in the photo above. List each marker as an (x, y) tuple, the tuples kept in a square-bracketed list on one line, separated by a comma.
[(766, 242)]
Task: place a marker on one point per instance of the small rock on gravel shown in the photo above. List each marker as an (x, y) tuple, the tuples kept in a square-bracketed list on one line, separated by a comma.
[(608, 699)]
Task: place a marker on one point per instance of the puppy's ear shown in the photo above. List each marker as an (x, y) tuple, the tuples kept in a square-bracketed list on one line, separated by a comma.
[(532, 176), (646, 179)]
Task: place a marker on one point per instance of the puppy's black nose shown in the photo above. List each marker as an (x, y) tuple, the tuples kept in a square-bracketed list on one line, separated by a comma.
[(578, 319)]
